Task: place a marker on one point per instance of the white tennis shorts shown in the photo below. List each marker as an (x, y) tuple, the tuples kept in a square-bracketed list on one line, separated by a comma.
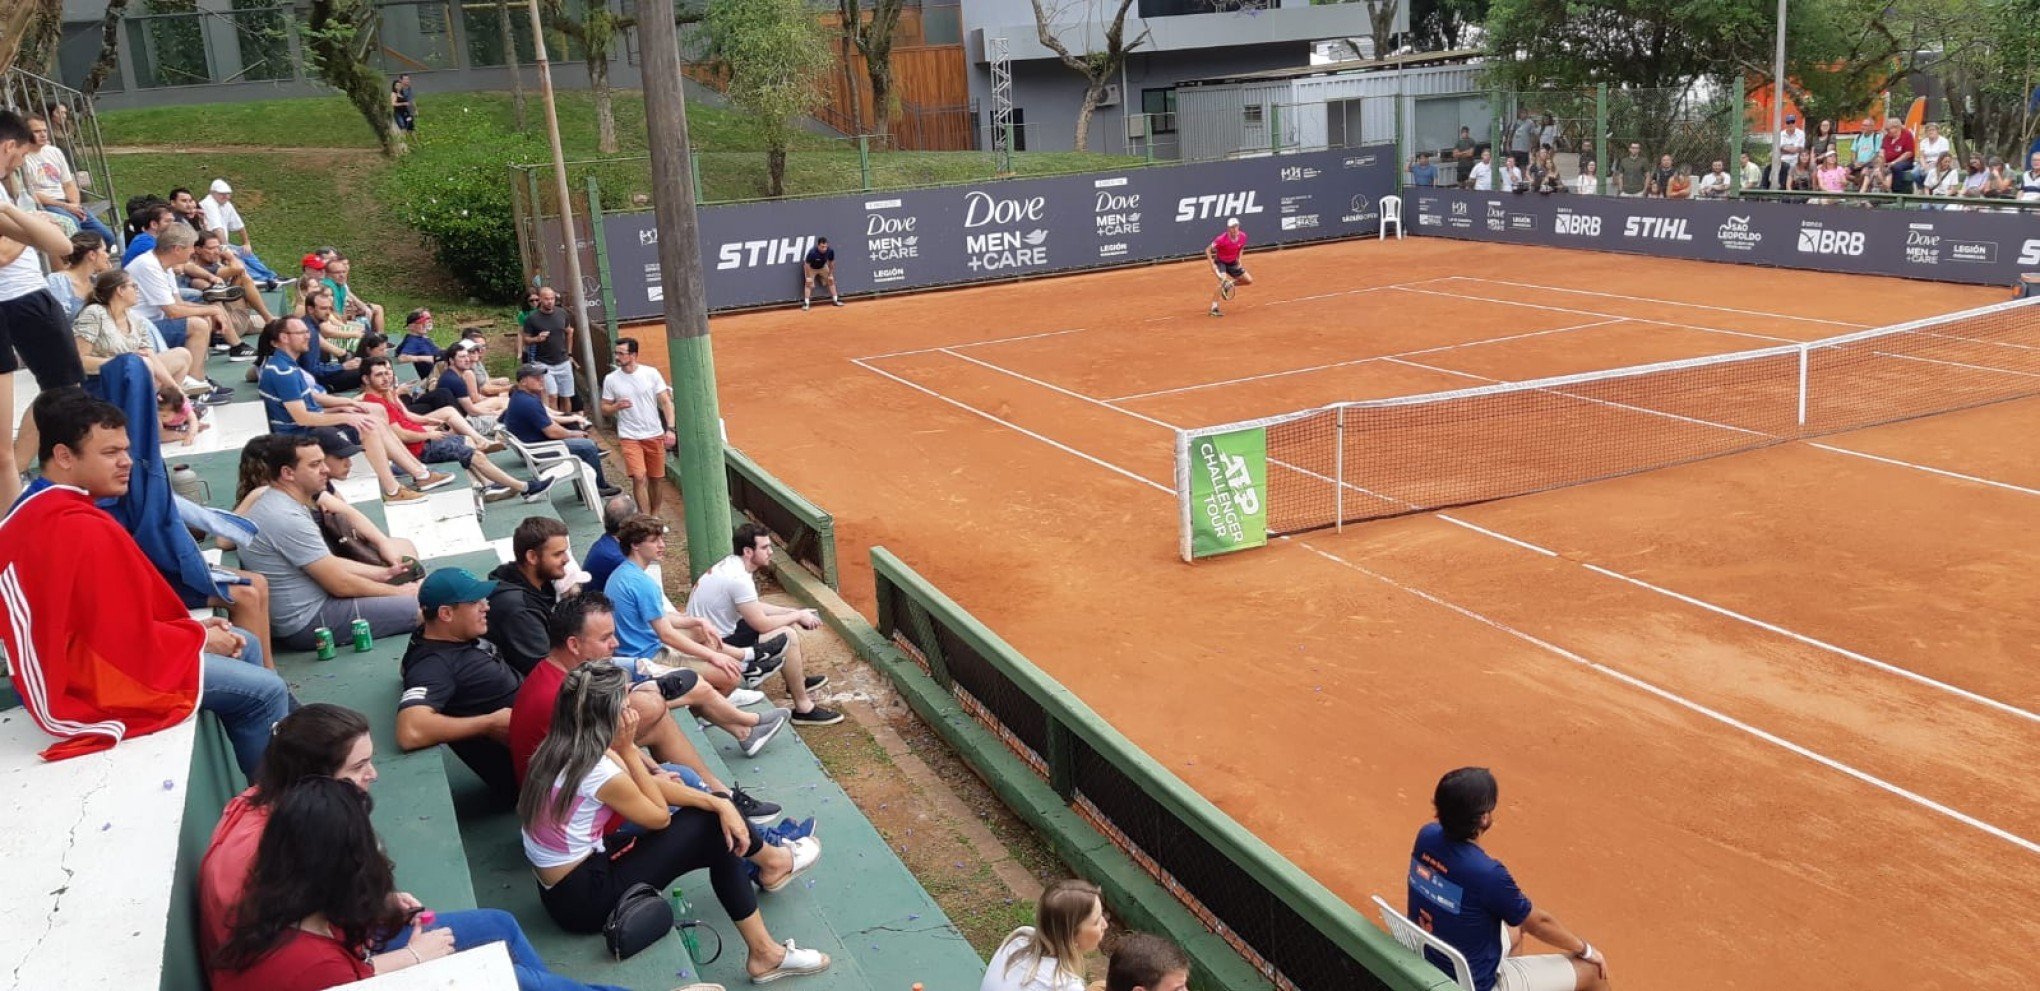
[(1544, 972)]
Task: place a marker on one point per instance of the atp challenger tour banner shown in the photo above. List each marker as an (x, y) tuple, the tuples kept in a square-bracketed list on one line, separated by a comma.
[(996, 230), (1944, 245), (1228, 491)]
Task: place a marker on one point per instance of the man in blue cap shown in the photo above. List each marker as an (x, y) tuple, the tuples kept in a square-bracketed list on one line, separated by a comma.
[(457, 689)]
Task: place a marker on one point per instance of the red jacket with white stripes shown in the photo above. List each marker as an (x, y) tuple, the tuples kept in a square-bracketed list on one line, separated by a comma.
[(100, 647)]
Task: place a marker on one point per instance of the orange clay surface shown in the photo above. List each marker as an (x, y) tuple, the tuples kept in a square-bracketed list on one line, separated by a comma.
[(1845, 799)]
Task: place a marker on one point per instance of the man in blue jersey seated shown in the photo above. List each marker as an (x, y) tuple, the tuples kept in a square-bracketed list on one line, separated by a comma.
[(1467, 898)]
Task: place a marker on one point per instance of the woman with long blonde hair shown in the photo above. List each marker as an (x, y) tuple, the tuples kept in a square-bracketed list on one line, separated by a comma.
[(1069, 923)]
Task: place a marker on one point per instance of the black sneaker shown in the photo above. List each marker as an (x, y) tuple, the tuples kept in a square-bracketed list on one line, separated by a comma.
[(609, 491), (243, 351), (534, 490), (217, 397), (817, 716), (755, 809), (815, 681), (758, 670), (765, 650)]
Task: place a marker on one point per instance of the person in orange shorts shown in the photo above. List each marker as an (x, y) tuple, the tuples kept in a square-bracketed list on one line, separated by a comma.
[(638, 397)]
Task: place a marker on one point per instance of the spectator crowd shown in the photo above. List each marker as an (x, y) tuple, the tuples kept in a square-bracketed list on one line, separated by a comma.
[(1891, 158)]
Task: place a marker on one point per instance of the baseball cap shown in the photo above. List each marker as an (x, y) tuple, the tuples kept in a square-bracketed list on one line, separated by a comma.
[(1791, 118), (417, 317), (337, 443), (1232, 221), (530, 370), (452, 587), (220, 186), (314, 262)]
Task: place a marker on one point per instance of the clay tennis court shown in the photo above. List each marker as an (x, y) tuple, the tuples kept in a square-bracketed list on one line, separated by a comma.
[(1764, 720)]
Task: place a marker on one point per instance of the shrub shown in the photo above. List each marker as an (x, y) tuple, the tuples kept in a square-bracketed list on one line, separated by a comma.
[(454, 188)]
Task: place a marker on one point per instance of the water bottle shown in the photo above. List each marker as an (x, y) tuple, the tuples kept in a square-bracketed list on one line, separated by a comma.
[(683, 918)]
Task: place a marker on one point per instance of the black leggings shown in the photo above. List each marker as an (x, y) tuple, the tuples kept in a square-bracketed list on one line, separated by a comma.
[(582, 901)]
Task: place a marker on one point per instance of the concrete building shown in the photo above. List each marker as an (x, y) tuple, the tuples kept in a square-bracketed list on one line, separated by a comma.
[(1335, 105), (1184, 40)]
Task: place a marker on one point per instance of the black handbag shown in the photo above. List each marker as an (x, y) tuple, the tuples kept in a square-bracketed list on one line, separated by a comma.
[(641, 917)]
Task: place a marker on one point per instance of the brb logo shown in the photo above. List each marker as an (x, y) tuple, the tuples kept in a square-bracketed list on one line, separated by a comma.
[(766, 251), (1212, 205), (1657, 228), (1817, 240), (992, 251), (1577, 224)]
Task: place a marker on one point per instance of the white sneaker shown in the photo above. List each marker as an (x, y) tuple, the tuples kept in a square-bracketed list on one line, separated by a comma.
[(746, 696)]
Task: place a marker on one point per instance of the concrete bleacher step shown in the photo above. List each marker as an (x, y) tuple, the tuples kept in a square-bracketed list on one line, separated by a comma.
[(860, 904)]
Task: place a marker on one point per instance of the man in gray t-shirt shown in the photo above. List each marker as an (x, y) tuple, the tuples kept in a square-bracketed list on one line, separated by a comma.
[(309, 585)]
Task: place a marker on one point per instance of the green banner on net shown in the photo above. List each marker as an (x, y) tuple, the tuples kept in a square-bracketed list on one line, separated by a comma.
[(1228, 491)]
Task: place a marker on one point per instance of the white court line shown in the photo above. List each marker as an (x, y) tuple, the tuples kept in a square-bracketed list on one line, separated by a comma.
[(1688, 704), (1058, 445), (1611, 316), (1056, 388), (1955, 364), (1836, 649), (970, 344), (1927, 468), (1978, 340), (1589, 399), (1355, 361), (1667, 302)]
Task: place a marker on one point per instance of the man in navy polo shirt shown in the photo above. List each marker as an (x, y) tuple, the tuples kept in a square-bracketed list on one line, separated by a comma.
[(1468, 899)]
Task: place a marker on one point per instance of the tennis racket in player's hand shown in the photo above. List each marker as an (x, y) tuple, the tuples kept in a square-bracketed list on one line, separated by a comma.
[(1225, 286)]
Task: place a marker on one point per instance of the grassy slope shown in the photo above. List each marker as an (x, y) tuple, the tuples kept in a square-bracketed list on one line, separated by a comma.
[(305, 172)]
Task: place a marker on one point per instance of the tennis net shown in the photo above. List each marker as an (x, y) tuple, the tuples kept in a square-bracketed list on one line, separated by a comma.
[(1354, 461)]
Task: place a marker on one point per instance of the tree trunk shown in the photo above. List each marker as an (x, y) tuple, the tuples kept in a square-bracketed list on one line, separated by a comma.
[(109, 47), (605, 109), (1092, 94), (334, 29), (775, 169), (1381, 20), (879, 67), (510, 62)]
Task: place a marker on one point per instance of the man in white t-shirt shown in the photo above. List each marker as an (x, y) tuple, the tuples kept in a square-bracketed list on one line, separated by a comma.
[(1482, 177), (727, 599), (181, 325), (222, 216), (642, 403), (55, 186), (1791, 142), (1714, 185), (2029, 182)]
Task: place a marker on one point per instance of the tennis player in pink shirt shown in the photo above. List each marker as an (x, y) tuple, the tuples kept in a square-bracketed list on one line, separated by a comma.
[(1224, 255)]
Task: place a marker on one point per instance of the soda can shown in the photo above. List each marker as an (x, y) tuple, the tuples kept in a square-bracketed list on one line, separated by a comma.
[(323, 636), (364, 641)]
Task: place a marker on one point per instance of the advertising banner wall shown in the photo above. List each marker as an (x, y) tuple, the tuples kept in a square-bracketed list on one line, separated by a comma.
[(1228, 491), (1944, 245), (996, 230)]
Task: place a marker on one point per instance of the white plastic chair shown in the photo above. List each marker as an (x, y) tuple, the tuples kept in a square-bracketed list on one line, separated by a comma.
[(1391, 213), (1414, 939), (550, 452)]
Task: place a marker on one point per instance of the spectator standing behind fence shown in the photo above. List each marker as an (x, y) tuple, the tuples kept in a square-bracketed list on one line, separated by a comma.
[(1901, 154), (1932, 146), (1069, 923), (1463, 153), (1465, 897), (2029, 181), (1791, 142), (1521, 137), (1632, 172), (1588, 182), (1869, 145), (1660, 181), (1752, 173), (1483, 175), (1422, 172)]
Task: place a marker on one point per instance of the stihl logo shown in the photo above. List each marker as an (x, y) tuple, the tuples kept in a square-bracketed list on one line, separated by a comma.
[(2030, 254), (1821, 241), (1660, 228), (1216, 205), (769, 251)]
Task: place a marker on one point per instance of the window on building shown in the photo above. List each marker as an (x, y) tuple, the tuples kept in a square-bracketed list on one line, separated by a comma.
[(1171, 8), (1160, 107), (1250, 114)]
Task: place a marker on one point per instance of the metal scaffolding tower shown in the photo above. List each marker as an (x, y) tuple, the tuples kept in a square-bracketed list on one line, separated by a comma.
[(1002, 100)]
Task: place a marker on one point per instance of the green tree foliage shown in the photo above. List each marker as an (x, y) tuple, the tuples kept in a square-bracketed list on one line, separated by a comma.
[(1985, 54), (873, 39), (338, 36), (776, 54), (1445, 25)]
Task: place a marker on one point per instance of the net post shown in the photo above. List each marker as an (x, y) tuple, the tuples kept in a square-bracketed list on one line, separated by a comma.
[(1183, 510), (1804, 350), (1339, 472)]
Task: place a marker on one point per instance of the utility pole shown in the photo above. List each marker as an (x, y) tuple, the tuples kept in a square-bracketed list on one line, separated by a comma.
[(1778, 104), (591, 386), (704, 489)]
